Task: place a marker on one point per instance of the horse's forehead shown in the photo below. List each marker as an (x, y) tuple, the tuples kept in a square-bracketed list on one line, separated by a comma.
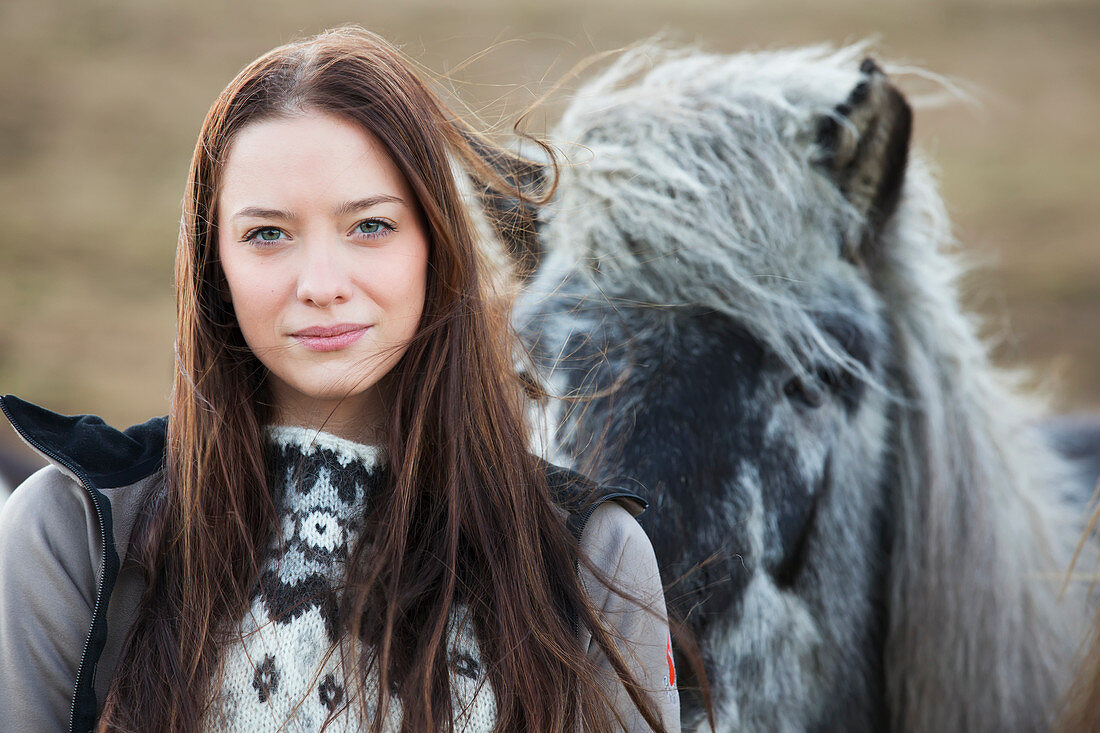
[(745, 127), (748, 90), (742, 128), (748, 151)]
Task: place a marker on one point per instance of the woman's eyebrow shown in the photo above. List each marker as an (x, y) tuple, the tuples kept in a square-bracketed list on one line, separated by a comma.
[(259, 212), (348, 207)]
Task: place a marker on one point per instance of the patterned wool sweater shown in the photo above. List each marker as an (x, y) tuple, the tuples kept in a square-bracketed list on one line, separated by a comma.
[(285, 673)]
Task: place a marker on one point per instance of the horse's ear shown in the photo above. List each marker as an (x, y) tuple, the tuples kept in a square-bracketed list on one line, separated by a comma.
[(865, 144), (514, 216)]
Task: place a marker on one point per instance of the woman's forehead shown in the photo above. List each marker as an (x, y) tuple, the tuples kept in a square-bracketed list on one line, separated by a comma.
[(306, 160)]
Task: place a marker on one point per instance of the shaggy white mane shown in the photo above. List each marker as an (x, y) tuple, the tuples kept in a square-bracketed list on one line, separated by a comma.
[(661, 199)]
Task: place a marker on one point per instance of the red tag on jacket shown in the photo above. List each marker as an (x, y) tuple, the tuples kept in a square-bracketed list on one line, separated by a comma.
[(671, 666)]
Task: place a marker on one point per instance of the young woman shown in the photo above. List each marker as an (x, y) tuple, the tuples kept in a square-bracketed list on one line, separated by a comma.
[(338, 525)]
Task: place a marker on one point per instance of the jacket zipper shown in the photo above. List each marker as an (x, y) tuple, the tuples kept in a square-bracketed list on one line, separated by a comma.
[(86, 484)]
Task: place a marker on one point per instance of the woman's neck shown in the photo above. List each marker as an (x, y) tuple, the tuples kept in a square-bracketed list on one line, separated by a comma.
[(358, 418), (352, 431)]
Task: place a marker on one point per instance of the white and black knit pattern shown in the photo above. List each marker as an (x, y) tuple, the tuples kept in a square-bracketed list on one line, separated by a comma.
[(286, 672)]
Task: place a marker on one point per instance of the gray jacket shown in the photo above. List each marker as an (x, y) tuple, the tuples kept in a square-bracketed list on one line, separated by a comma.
[(69, 591)]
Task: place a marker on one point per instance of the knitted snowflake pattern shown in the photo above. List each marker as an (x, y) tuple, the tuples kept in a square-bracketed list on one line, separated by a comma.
[(285, 673)]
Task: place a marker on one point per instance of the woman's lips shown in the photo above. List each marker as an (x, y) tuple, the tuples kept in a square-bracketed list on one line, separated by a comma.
[(330, 338)]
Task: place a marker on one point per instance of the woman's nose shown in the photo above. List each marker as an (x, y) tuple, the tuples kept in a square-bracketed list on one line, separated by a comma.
[(323, 279)]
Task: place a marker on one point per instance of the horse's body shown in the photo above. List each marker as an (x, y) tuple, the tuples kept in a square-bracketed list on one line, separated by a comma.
[(745, 308)]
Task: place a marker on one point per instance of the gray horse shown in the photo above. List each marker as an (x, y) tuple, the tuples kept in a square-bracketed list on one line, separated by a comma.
[(744, 304)]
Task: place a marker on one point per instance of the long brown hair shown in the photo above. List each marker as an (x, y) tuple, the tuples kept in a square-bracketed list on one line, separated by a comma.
[(466, 516)]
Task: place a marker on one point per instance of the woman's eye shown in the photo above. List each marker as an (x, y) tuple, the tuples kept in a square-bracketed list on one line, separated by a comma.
[(266, 234), (372, 227)]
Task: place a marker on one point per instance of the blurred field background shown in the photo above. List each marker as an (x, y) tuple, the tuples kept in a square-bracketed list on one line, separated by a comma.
[(101, 103)]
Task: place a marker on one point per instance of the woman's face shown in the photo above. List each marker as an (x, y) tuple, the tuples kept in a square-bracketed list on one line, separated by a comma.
[(326, 259)]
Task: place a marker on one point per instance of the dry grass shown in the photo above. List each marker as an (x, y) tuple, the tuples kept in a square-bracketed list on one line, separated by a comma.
[(102, 102)]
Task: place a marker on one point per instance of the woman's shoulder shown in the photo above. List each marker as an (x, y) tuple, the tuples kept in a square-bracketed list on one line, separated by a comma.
[(84, 502), (50, 508), (623, 582), (616, 543), (49, 565), (64, 535)]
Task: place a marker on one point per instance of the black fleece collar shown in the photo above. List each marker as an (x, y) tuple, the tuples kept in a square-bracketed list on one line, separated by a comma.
[(108, 458)]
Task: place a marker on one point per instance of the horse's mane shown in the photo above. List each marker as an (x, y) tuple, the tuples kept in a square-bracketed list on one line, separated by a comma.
[(978, 637), (978, 630), (689, 213)]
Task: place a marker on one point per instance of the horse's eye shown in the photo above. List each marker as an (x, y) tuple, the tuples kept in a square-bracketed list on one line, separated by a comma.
[(829, 378), (808, 393), (835, 379)]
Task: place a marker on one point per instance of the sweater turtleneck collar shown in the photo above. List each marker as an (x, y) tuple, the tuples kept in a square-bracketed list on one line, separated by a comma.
[(310, 442)]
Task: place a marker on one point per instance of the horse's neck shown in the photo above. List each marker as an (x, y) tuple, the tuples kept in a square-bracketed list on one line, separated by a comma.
[(980, 546)]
